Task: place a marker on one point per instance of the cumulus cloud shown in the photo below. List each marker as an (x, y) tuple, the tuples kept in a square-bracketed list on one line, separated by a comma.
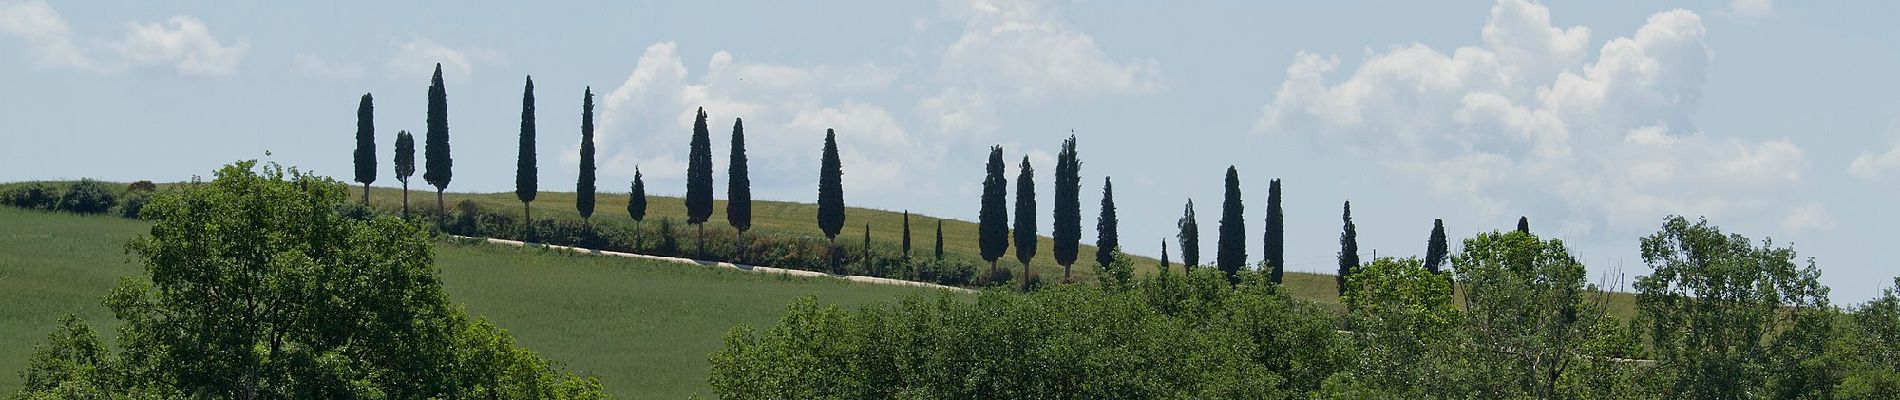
[(182, 43), (1523, 120), (1808, 217), (1875, 166), (647, 121), (418, 57), (1749, 9), (311, 65)]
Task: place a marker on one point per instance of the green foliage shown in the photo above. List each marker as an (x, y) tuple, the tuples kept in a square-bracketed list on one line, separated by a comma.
[(937, 252), (993, 217), (830, 188), (142, 186), (1107, 239), (1528, 298), (699, 196), (584, 183), (1230, 254), (405, 165), (88, 197), (33, 195), (637, 197), (1869, 346), (1025, 232), (1523, 224), (437, 163), (365, 144), (1275, 252), (739, 182), (906, 245), (256, 287), (72, 363), (1348, 250), (1190, 237), (133, 202), (1405, 335), (1068, 207), (527, 177), (1730, 319), (1435, 247)]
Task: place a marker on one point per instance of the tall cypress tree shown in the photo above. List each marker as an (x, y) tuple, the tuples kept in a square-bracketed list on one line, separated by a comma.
[(1164, 256), (1068, 208), (1435, 247), (938, 254), (1524, 224), (436, 151), (831, 190), (992, 220), (1025, 231), (867, 251), (1276, 234), (365, 145), (699, 197), (584, 186), (1348, 249), (525, 175), (1106, 238), (405, 165), (637, 205), (1190, 237), (1231, 255), (738, 184), (906, 255)]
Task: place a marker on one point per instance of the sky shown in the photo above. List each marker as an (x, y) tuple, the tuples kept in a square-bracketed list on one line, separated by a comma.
[(1595, 119)]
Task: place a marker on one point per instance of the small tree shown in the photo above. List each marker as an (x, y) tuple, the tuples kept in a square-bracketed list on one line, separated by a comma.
[(1231, 254), (1025, 217), (436, 153), (405, 165), (992, 234), (1436, 248), (637, 205), (699, 185), (906, 247), (1106, 239), (1190, 237), (365, 145), (1067, 237), (1164, 256), (938, 254), (584, 185), (1524, 224), (738, 186), (831, 191), (1276, 234), (525, 175), (1348, 249), (869, 268)]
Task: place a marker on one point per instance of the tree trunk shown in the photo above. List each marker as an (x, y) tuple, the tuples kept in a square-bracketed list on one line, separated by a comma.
[(992, 272), (1065, 273), (441, 212), (702, 240), (405, 201), (365, 193), (1025, 277), (527, 223)]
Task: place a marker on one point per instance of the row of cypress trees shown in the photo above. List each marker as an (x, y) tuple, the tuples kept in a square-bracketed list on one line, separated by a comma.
[(437, 162)]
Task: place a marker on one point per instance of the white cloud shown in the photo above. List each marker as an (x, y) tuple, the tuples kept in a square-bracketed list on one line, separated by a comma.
[(1523, 120), (311, 65), (1808, 217), (1025, 49), (1875, 166), (419, 56), (1747, 10), (182, 42)]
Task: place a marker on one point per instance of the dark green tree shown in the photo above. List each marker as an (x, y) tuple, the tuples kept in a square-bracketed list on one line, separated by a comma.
[(1106, 238), (992, 220), (1067, 236), (699, 181), (906, 247), (1276, 234), (1190, 237), (1025, 231), (738, 185), (584, 186), (1524, 224), (365, 145), (1348, 249), (831, 190), (1435, 248), (1231, 254), (868, 267), (435, 153), (405, 165), (938, 254), (637, 204), (526, 177), (1164, 256)]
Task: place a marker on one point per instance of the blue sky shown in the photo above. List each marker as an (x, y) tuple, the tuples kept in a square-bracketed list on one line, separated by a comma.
[(1595, 119)]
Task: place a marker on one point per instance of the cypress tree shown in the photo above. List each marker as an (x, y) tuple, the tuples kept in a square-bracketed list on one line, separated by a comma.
[(435, 155), (525, 174), (1025, 217), (1190, 237), (1524, 224), (1164, 256), (1348, 249), (906, 255), (831, 190), (738, 185), (637, 205), (867, 250), (1068, 208), (699, 201), (1231, 255), (365, 145), (1435, 248), (939, 249), (1106, 239), (584, 187), (1276, 234), (405, 165), (992, 231)]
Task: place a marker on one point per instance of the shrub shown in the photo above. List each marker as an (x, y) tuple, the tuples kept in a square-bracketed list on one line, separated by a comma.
[(133, 203), (142, 186), (88, 197), (35, 195)]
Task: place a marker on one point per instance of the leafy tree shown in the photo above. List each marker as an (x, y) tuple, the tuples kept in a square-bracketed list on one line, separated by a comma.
[(939, 249), (1730, 319), (1348, 249), (525, 175), (699, 181), (1190, 237), (1524, 224), (405, 165), (1529, 296), (831, 190), (1276, 234), (1870, 348), (1107, 240), (365, 145), (1435, 248), (1067, 236), (738, 185), (992, 231), (906, 246), (1025, 231), (1231, 255), (637, 204), (87, 197), (435, 156), (255, 287), (584, 186), (1405, 341)]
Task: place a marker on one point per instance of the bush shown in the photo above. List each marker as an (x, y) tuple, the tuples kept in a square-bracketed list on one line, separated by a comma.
[(133, 203), (35, 195), (141, 186), (88, 197)]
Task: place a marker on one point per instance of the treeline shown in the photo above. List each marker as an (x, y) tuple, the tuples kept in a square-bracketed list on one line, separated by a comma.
[(1721, 317)]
